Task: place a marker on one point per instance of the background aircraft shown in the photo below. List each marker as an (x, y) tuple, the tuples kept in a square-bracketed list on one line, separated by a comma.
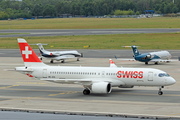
[(93, 79), (156, 57), (57, 55)]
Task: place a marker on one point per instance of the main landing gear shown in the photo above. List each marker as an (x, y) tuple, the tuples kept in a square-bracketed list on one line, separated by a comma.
[(160, 92), (156, 63), (86, 91), (77, 59), (51, 61), (62, 61), (146, 63)]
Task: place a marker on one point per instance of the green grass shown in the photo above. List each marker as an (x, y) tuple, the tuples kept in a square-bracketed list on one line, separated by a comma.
[(92, 23), (12, 33), (146, 41)]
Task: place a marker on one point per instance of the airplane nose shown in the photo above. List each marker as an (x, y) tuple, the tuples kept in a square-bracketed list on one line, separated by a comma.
[(171, 81)]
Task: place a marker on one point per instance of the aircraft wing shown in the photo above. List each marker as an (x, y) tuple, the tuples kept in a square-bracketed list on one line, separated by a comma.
[(125, 59), (161, 60), (80, 81)]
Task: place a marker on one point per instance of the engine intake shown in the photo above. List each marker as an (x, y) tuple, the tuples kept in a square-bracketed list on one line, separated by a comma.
[(101, 87)]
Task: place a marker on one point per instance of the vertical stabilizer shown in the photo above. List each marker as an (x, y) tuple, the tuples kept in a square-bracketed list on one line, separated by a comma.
[(29, 56), (135, 50), (41, 48), (112, 63)]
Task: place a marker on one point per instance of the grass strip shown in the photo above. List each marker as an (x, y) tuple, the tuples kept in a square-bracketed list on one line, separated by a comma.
[(92, 23), (115, 41)]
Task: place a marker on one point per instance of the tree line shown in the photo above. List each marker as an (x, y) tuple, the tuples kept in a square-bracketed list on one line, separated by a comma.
[(27, 8)]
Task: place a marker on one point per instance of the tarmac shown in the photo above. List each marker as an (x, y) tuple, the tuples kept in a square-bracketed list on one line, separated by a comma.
[(21, 93), (67, 32)]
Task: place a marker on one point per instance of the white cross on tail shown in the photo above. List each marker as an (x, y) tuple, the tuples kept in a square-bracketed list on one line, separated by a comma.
[(26, 52)]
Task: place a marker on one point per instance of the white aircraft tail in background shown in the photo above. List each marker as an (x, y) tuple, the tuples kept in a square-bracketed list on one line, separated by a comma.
[(93, 79)]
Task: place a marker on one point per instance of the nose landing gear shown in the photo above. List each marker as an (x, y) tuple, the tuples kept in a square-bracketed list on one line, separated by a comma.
[(160, 92)]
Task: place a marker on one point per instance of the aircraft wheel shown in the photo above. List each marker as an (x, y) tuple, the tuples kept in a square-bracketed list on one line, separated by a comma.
[(156, 63), (77, 59), (86, 92), (146, 63), (62, 61), (51, 61), (40, 58), (160, 93)]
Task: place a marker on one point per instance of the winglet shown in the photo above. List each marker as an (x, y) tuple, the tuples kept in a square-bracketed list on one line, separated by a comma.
[(115, 56), (112, 63)]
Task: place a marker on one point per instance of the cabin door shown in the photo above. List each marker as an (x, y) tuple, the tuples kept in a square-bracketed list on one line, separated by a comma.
[(44, 73), (150, 76)]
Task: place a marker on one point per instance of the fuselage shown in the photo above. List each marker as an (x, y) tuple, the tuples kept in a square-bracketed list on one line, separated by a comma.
[(116, 76), (60, 55), (164, 55)]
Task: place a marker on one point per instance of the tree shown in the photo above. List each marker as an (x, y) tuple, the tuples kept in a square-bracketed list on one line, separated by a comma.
[(3, 16), (37, 10), (137, 13), (175, 9), (49, 10)]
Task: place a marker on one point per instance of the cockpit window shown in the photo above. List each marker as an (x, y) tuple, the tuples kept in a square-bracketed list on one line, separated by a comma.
[(163, 74)]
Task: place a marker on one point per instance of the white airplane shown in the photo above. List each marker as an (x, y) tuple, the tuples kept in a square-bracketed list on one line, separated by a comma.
[(93, 79), (156, 57), (57, 55)]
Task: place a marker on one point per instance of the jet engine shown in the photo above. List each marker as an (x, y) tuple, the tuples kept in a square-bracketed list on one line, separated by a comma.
[(148, 56), (101, 87)]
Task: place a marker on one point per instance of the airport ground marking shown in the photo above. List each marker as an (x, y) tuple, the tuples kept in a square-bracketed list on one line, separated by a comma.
[(30, 83), (174, 114), (69, 92), (8, 86)]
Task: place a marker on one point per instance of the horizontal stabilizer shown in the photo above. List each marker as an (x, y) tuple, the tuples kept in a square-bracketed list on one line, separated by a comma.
[(39, 44), (23, 69), (130, 46)]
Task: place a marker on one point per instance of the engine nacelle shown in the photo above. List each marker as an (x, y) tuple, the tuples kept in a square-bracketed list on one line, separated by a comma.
[(126, 86), (148, 56), (101, 87)]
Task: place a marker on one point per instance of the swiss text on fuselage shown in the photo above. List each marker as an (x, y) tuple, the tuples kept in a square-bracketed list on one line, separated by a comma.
[(130, 74)]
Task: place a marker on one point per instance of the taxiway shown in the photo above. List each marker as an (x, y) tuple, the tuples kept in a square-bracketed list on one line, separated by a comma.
[(21, 92), (57, 32)]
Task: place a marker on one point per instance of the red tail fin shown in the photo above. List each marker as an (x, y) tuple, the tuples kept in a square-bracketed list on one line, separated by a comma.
[(27, 53), (112, 63)]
